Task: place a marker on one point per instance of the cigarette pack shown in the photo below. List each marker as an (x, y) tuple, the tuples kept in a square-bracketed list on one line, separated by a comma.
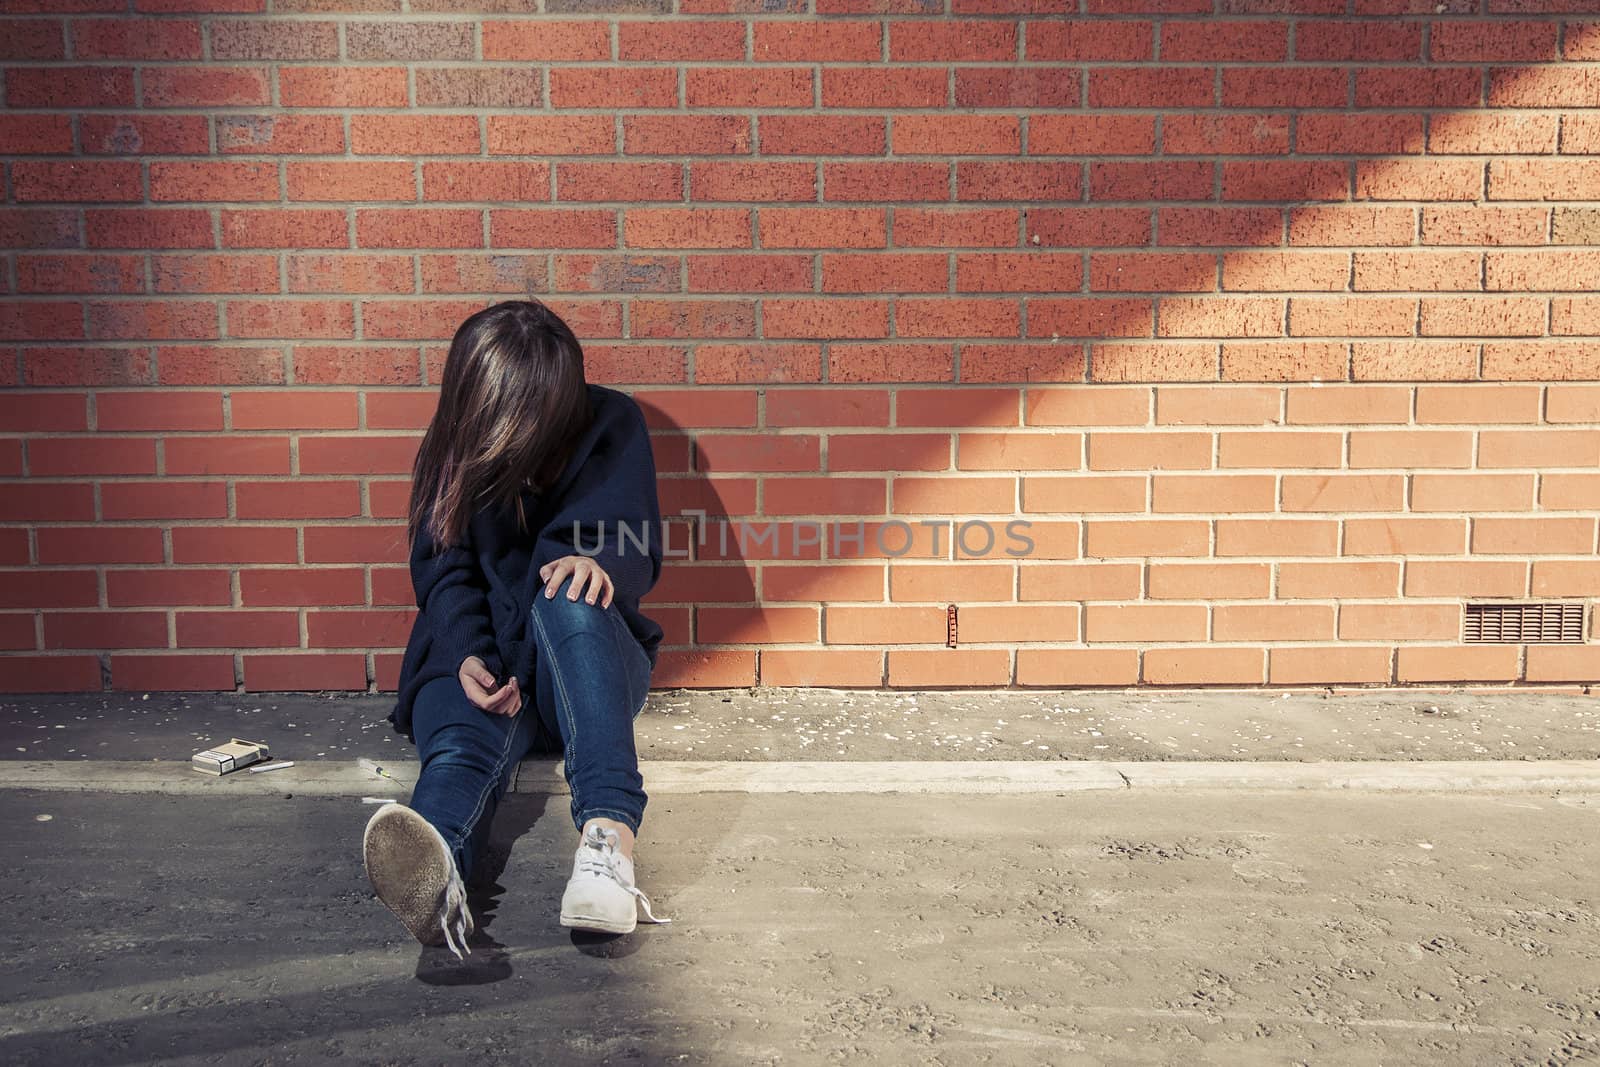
[(230, 757)]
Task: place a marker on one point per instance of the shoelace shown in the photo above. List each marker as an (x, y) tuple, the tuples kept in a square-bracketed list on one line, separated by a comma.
[(599, 857), (453, 917)]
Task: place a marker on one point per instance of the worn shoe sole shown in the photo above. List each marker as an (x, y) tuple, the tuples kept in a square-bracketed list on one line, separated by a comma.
[(409, 865)]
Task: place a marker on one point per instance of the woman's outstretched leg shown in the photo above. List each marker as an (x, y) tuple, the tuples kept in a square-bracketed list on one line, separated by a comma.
[(467, 755), (418, 857)]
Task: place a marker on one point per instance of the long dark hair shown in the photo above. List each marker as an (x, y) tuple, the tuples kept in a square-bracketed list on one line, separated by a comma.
[(512, 400)]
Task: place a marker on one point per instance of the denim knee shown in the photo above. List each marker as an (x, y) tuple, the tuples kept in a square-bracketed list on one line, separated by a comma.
[(557, 613), (460, 745)]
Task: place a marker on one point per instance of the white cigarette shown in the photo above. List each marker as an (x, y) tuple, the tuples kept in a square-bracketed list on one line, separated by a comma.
[(260, 767), (379, 800)]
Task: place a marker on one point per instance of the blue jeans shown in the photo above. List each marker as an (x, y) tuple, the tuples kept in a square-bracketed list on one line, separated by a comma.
[(591, 677)]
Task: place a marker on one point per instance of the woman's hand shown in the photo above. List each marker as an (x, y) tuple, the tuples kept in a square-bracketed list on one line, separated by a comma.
[(583, 569), (476, 681)]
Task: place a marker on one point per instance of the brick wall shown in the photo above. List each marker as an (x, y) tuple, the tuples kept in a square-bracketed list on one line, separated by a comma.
[(1275, 321)]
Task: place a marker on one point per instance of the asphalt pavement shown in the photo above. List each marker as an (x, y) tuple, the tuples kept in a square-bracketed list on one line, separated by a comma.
[(1011, 905)]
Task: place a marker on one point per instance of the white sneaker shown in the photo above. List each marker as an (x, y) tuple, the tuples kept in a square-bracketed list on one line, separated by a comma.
[(601, 894)]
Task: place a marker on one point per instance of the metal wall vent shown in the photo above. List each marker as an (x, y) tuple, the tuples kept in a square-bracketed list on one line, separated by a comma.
[(1524, 624)]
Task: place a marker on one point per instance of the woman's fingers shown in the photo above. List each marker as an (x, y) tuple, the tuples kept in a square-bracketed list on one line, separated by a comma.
[(595, 578), (476, 678), (585, 573), (554, 572), (503, 701), (507, 700)]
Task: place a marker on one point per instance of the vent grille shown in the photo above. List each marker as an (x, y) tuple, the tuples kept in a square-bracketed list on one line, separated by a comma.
[(1523, 624)]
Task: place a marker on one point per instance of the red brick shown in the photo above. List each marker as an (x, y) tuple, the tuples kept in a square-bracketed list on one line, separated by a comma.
[(1222, 41), (1297, 180), (1222, 134), (37, 134), (1144, 622), (213, 181), (1110, 539), (33, 39), (1542, 179), (1089, 39), (122, 135), (1479, 224), (1077, 666), (1284, 87), (1471, 492), (1285, 271), (945, 667), (72, 274), (1359, 133), (1343, 492), (1358, 40), (1540, 361), (98, 545), (69, 87), (1325, 664), (1092, 135), (1466, 578), (842, 87), (1493, 663), (1277, 538), (1419, 179), (173, 672), (1426, 271), (1539, 448), (1340, 225), (1563, 664), (1342, 579), (1272, 622), (434, 135), (828, 667), (164, 587), (1478, 403), (1497, 41), (1410, 448), (304, 671), (1352, 316), (1410, 361), (547, 40), (1479, 316), (1480, 134), (209, 86), (260, 39), (1017, 87), (1150, 87), (353, 87), (50, 674), (1192, 226), (1529, 536), (105, 629), (94, 181), (1201, 405), (1409, 87), (578, 87), (1568, 492)]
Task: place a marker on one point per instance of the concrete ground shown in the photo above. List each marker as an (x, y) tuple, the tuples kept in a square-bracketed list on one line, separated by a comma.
[(1025, 925)]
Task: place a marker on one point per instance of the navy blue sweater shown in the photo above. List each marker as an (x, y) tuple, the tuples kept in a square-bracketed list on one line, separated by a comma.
[(474, 598)]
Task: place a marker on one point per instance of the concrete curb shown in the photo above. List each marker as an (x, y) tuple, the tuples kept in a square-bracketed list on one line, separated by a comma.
[(341, 778)]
